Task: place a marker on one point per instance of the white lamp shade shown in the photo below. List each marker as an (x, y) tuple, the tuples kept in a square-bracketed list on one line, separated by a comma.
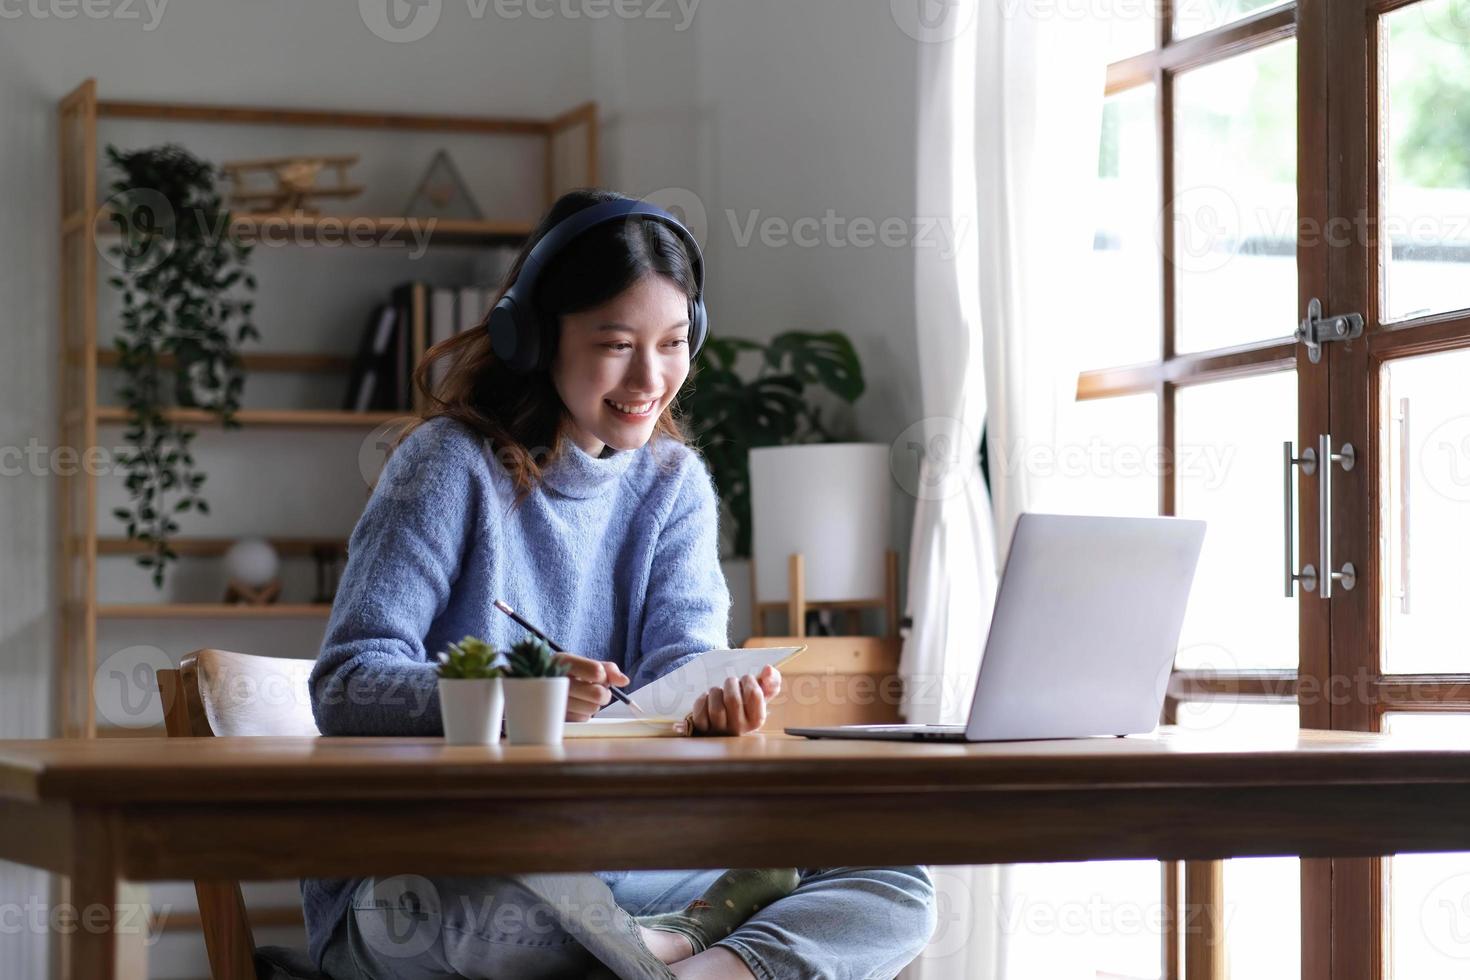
[(829, 501), (252, 562)]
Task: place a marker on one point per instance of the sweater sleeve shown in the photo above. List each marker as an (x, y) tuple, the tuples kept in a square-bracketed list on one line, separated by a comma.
[(687, 607), (373, 675)]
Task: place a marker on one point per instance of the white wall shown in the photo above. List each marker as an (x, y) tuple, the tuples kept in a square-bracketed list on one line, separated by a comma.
[(810, 109), (780, 110)]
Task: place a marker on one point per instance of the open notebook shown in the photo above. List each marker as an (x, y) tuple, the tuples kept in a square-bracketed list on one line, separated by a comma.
[(596, 727), (667, 699)]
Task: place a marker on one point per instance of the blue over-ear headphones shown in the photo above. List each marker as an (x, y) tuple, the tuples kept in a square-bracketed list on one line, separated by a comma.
[(515, 325)]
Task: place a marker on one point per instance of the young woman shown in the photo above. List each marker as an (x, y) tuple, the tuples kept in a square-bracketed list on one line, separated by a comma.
[(552, 473)]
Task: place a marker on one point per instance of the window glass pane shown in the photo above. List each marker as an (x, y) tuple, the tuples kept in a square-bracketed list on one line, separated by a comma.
[(1132, 28), (1234, 210), (1223, 714), (1426, 513), (1107, 460), (1426, 210), (1099, 919), (1428, 916), (1197, 16), (1263, 896), (1228, 473), (1263, 909), (1126, 266)]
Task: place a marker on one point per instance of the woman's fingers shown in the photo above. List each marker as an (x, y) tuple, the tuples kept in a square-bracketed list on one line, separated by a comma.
[(734, 706), (755, 702), (583, 700), (578, 668), (591, 671), (588, 690), (770, 681), (587, 698), (718, 716), (585, 703), (730, 698)]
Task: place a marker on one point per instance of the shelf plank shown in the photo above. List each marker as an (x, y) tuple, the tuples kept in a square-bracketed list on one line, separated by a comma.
[(271, 116), (338, 230), (305, 417), (285, 547), (325, 228), (211, 610), (280, 361)]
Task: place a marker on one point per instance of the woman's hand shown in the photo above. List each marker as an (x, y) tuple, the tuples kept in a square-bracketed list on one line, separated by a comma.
[(589, 684), (737, 707)]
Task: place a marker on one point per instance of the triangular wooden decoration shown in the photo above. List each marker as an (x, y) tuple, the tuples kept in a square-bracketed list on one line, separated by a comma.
[(442, 193)]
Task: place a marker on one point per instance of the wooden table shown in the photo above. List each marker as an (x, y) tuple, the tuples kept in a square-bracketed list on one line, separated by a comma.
[(268, 808)]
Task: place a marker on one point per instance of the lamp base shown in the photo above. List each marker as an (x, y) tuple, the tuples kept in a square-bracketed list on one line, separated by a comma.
[(797, 605), (239, 594)]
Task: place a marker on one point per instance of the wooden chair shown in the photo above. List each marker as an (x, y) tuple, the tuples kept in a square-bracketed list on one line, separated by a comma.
[(836, 680), (216, 692)]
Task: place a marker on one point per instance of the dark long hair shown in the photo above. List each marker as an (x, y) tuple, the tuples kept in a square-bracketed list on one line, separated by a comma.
[(522, 415)]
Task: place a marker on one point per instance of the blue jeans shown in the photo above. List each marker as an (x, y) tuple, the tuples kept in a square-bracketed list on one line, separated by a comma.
[(850, 923)]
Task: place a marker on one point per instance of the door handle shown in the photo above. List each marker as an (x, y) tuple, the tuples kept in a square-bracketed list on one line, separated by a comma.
[(1308, 463), (1348, 457)]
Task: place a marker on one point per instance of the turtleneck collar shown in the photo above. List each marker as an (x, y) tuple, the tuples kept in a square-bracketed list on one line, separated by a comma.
[(575, 473)]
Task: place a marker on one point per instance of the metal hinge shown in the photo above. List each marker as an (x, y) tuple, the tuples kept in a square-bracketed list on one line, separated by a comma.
[(1315, 331)]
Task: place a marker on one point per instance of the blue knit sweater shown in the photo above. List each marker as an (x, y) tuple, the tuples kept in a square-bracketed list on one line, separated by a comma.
[(615, 556)]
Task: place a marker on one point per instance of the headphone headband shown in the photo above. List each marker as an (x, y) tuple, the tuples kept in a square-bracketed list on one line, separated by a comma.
[(516, 328)]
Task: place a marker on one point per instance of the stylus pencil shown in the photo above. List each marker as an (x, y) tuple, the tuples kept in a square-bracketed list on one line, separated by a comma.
[(632, 705)]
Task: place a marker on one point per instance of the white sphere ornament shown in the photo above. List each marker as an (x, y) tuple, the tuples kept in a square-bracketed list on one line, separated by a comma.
[(251, 562)]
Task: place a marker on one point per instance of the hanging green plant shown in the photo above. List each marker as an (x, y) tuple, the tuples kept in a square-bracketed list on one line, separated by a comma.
[(181, 272), (729, 415)]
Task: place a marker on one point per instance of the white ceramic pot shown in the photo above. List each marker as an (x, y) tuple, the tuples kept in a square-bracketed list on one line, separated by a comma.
[(472, 709), (535, 709)]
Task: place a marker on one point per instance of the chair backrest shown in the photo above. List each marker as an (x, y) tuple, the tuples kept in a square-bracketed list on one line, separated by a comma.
[(224, 693), (220, 693), (836, 680)]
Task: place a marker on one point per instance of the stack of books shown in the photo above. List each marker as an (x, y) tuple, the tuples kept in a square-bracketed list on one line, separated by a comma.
[(415, 317)]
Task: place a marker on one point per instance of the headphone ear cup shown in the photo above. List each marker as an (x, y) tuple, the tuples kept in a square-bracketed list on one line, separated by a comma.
[(698, 328), (513, 343)]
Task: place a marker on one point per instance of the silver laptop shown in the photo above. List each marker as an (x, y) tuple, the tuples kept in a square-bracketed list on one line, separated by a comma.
[(1086, 622)]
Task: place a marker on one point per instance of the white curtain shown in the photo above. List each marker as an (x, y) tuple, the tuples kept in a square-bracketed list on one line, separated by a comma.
[(1010, 104)]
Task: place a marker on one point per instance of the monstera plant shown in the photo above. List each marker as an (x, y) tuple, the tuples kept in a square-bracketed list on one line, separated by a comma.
[(730, 414)]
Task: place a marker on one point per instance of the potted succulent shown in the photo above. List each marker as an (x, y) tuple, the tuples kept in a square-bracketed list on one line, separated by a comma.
[(536, 688), (470, 697)]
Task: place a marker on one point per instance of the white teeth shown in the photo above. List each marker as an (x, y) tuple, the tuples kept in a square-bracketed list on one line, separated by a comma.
[(630, 409)]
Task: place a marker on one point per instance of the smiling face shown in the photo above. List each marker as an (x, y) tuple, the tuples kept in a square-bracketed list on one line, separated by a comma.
[(630, 353)]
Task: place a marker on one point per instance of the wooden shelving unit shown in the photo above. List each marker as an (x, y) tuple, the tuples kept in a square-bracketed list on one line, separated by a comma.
[(311, 417), (307, 229), (212, 610), (569, 143), (259, 361), (286, 547)]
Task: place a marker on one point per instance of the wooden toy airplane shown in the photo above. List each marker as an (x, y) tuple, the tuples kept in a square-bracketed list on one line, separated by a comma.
[(295, 179)]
